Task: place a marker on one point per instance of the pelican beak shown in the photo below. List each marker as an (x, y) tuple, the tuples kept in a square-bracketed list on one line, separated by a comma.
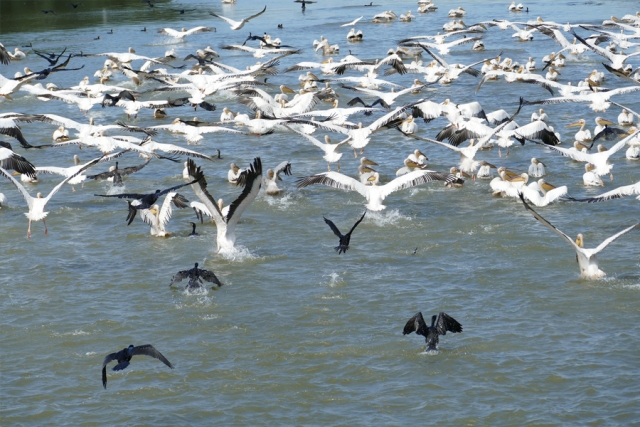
[(490, 165), (287, 90), (15, 173), (575, 124), (466, 175), (412, 164), (548, 187), (371, 178), (368, 169), (370, 162), (154, 211), (605, 122)]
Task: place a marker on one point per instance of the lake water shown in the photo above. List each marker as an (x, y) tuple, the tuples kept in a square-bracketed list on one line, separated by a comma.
[(300, 335)]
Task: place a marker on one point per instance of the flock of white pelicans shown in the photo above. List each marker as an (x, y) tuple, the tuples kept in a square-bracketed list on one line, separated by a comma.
[(137, 83)]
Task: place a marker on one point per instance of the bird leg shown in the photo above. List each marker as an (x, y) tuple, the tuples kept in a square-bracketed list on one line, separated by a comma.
[(499, 153), (73, 189), (46, 232), (338, 166), (29, 230), (328, 167), (611, 176), (355, 153)]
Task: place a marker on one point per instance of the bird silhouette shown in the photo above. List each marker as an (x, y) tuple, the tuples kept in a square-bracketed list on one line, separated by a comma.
[(344, 239), (123, 357), (440, 324)]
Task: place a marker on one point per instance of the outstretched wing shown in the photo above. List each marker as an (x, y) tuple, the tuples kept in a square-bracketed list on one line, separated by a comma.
[(209, 276), (447, 323), (284, 167), (416, 324), (548, 224), (333, 227), (149, 350), (252, 180), (357, 222), (179, 276)]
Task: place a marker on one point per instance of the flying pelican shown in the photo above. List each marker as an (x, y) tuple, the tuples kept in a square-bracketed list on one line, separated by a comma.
[(331, 154), (157, 218), (273, 175), (180, 35), (440, 325), (115, 174), (586, 258), (123, 357), (236, 25), (36, 204), (226, 222), (196, 276), (374, 194), (344, 238), (600, 159), (352, 23)]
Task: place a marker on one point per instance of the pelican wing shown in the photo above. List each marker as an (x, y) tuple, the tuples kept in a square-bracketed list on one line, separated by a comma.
[(70, 177), (284, 167), (200, 188), (550, 226), (604, 244), (627, 190), (447, 323), (252, 180), (411, 180), (256, 15), (173, 149), (335, 180), (132, 169), (149, 350)]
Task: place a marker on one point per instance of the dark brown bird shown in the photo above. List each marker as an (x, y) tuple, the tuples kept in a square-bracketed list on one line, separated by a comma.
[(123, 357), (344, 238), (440, 324)]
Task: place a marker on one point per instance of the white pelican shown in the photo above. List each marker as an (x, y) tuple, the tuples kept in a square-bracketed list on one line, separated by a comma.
[(549, 192), (537, 168), (484, 171), (625, 118), (180, 35), (552, 74), (617, 59), (234, 173), (457, 13), (406, 18), (415, 160), (273, 176), (543, 117), (236, 25), (226, 222), (331, 154), (530, 65), (354, 36), (600, 159), (590, 178), (37, 204), (374, 194), (79, 178), (583, 135), (60, 134), (157, 218), (586, 257), (227, 115), (478, 46), (409, 125)]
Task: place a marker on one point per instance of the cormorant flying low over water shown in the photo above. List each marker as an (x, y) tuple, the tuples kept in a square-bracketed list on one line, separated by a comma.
[(440, 324), (124, 357)]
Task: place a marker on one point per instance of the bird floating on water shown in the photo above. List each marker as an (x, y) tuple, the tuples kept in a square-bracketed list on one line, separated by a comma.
[(440, 325)]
